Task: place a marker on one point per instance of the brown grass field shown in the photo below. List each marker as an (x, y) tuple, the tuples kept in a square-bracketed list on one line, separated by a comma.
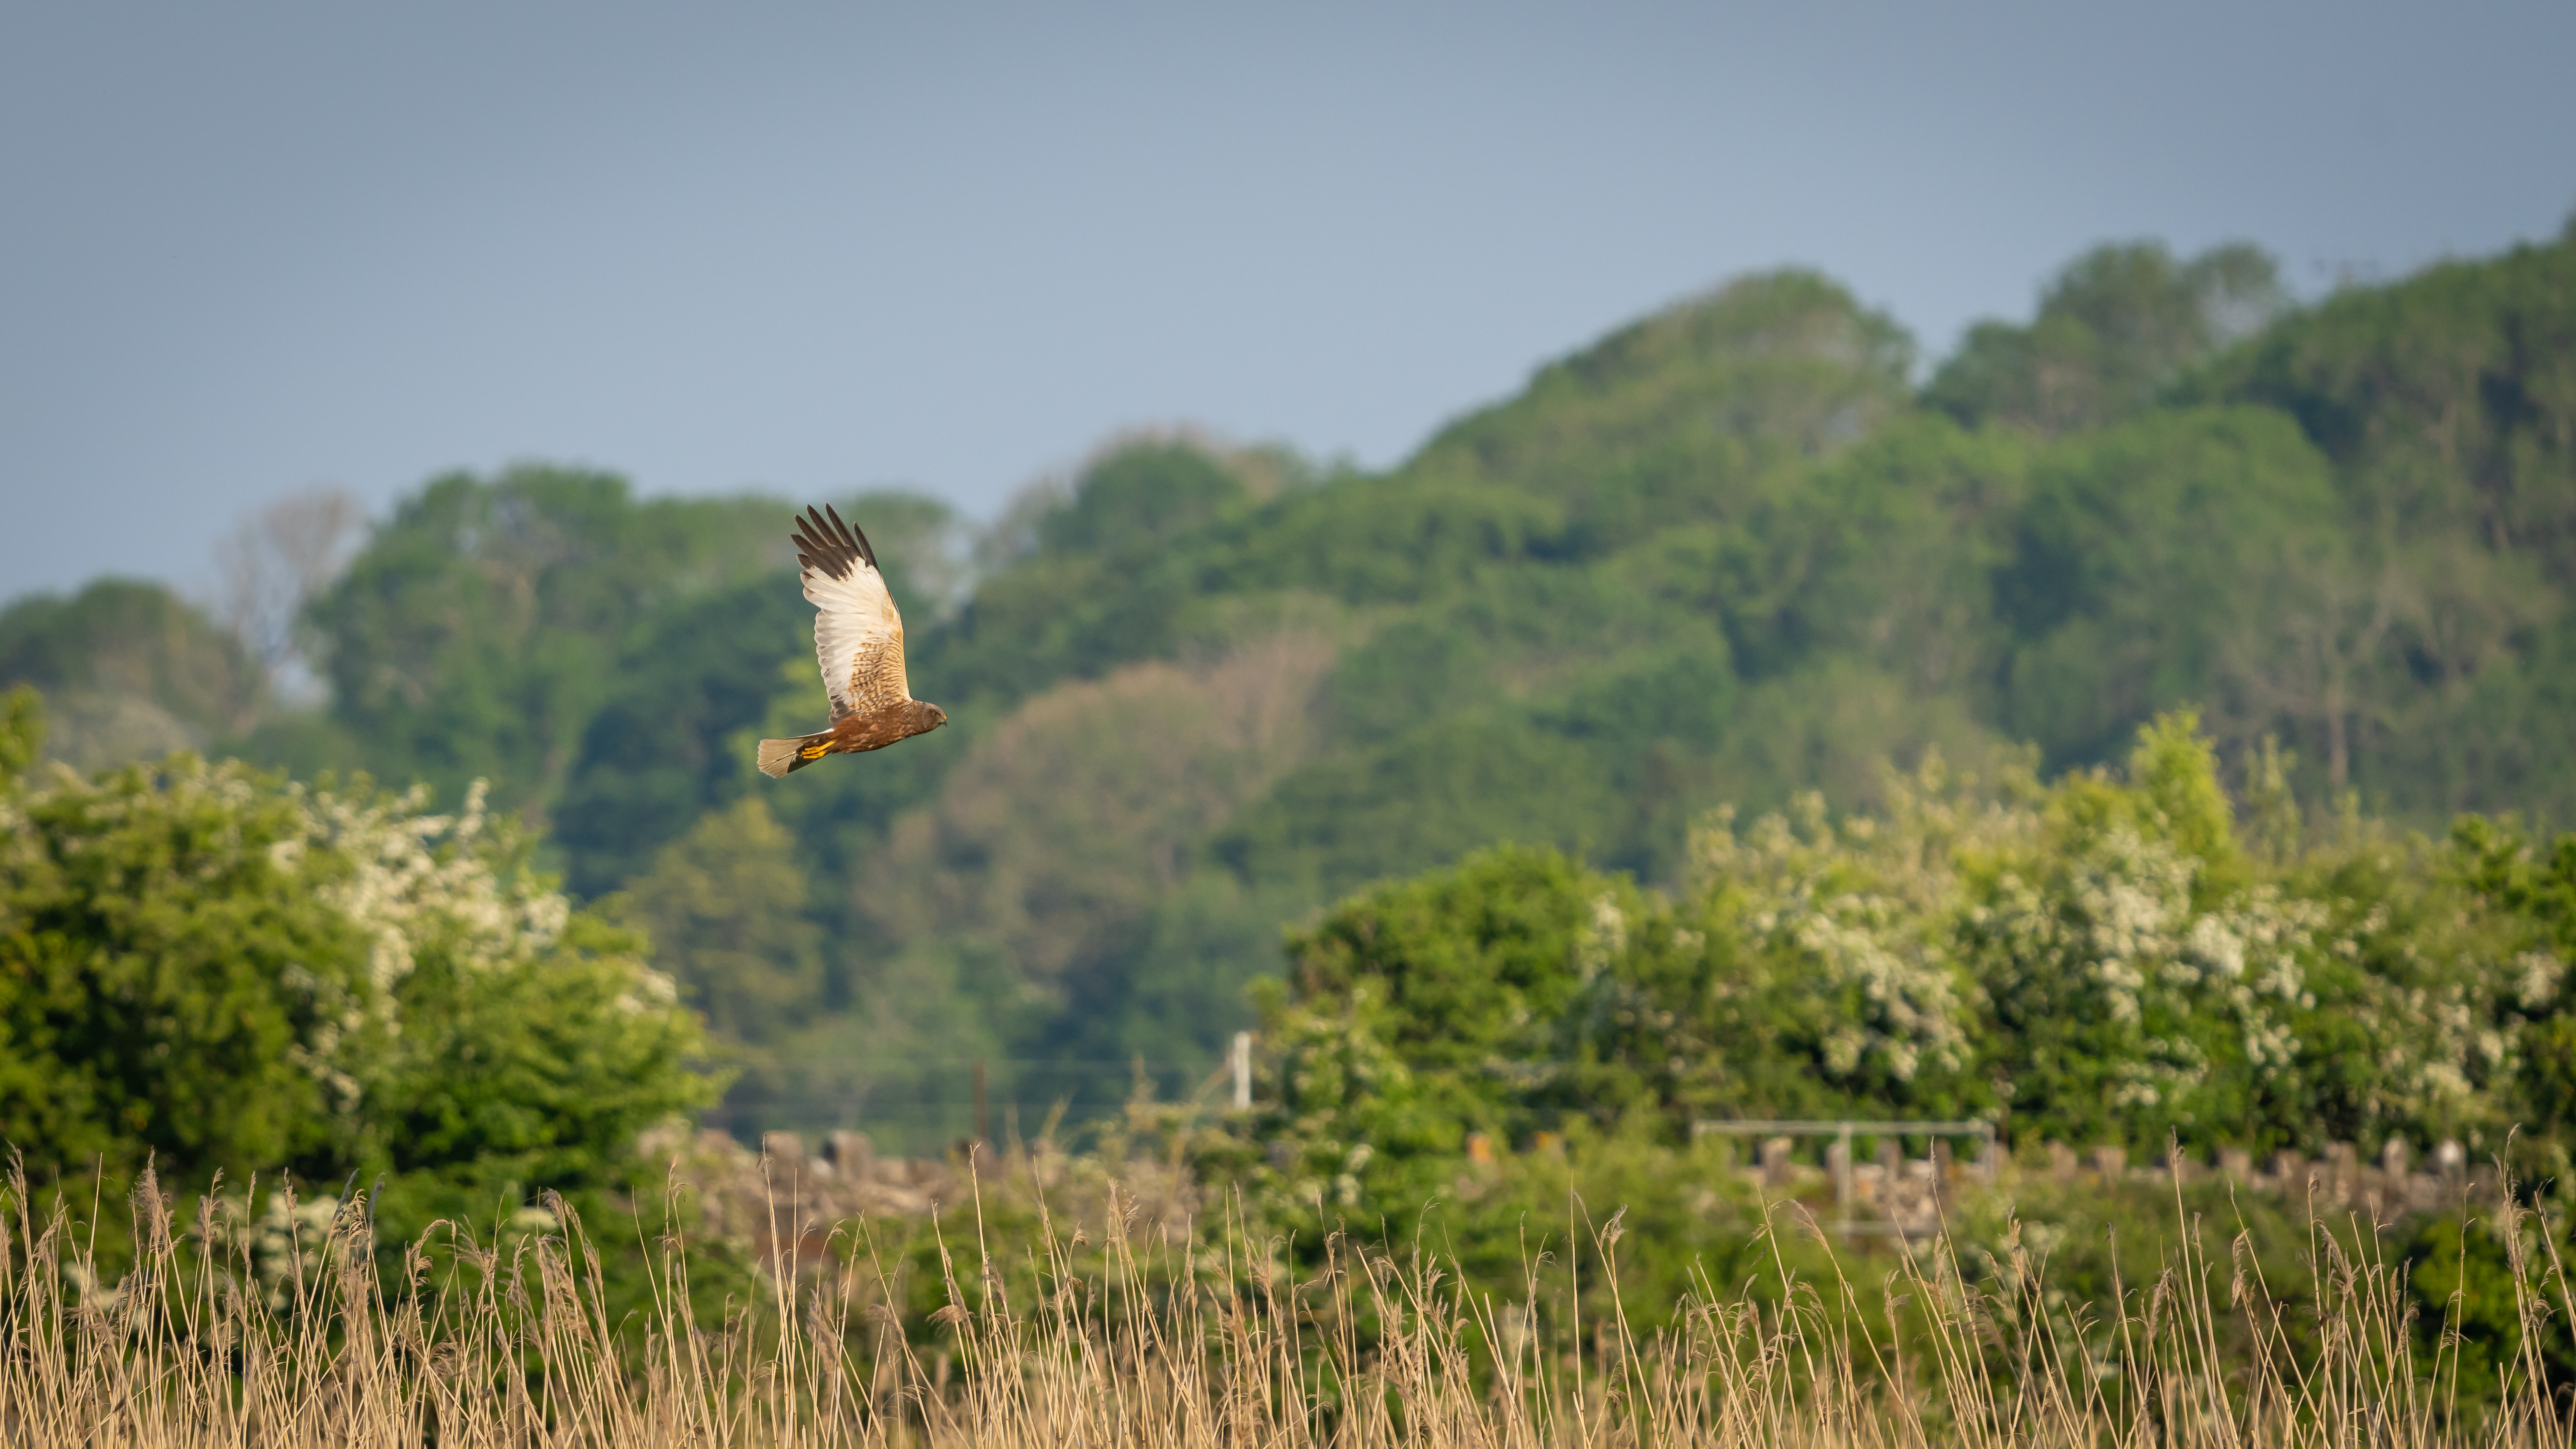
[(1104, 1335)]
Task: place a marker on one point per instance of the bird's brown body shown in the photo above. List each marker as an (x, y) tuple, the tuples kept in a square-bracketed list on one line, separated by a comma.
[(858, 640), (859, 733)]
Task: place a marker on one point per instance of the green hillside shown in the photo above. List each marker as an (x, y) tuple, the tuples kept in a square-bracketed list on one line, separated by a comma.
[(1726, 554)]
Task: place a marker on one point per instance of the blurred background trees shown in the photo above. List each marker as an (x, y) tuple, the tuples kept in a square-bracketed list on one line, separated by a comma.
[(2119, 324), (1725, 556)]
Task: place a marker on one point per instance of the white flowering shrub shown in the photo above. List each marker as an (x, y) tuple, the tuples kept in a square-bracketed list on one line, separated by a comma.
[(1836, 978), (2101, 959), (224, 969), (2533, 894), (2119, 1006), (2144, 976)]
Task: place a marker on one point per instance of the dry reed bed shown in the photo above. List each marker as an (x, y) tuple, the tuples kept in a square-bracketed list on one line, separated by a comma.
[(213, 1339)]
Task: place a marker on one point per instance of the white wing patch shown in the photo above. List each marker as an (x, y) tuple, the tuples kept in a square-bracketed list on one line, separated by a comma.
[(858, 636)]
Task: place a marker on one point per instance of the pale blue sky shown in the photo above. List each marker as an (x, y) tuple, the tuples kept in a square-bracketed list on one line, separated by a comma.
[(246, 249)]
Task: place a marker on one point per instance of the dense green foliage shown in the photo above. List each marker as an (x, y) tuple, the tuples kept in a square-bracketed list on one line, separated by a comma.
[(477, 635), (2117, 326), (2107, 959), (129, 670), (226, 971), (1725, 555)]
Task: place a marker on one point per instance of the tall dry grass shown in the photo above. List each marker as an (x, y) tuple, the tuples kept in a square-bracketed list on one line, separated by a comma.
[(252, 1331)]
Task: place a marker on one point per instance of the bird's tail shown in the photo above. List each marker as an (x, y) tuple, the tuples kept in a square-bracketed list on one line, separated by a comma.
[(778, 757)]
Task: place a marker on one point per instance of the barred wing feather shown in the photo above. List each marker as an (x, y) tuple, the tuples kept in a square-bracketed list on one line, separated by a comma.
[(858, 636)]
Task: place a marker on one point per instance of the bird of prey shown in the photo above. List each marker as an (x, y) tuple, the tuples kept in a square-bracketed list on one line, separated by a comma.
[(858, 636)]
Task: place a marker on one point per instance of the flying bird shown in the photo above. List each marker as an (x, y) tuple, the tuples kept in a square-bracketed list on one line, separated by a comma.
[(858, 637)]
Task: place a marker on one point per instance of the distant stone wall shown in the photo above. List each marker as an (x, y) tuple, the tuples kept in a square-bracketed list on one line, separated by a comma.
[(787, 1197), (1898, 1194), (2391, 1186)]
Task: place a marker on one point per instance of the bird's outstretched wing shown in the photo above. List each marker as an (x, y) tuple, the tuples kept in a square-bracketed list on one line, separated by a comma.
[(858, 636)]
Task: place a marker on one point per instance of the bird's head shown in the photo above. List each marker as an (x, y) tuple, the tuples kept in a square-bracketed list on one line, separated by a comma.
[(932, 717)]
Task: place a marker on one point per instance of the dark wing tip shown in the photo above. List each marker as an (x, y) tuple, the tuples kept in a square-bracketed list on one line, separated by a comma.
[(829, 546), (856, 538)]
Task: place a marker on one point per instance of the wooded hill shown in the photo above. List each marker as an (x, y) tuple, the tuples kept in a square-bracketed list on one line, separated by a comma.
[(1728, 553)]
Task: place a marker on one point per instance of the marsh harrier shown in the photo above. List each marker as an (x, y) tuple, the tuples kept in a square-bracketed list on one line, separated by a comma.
[(858, 636)]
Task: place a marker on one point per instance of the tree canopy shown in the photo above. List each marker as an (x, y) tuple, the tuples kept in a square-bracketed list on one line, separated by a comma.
[(229, 971), (2111, 957), (1724, 556)]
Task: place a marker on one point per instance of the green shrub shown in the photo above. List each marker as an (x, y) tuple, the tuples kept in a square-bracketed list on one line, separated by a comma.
[(226, 970), (2099, 960)]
